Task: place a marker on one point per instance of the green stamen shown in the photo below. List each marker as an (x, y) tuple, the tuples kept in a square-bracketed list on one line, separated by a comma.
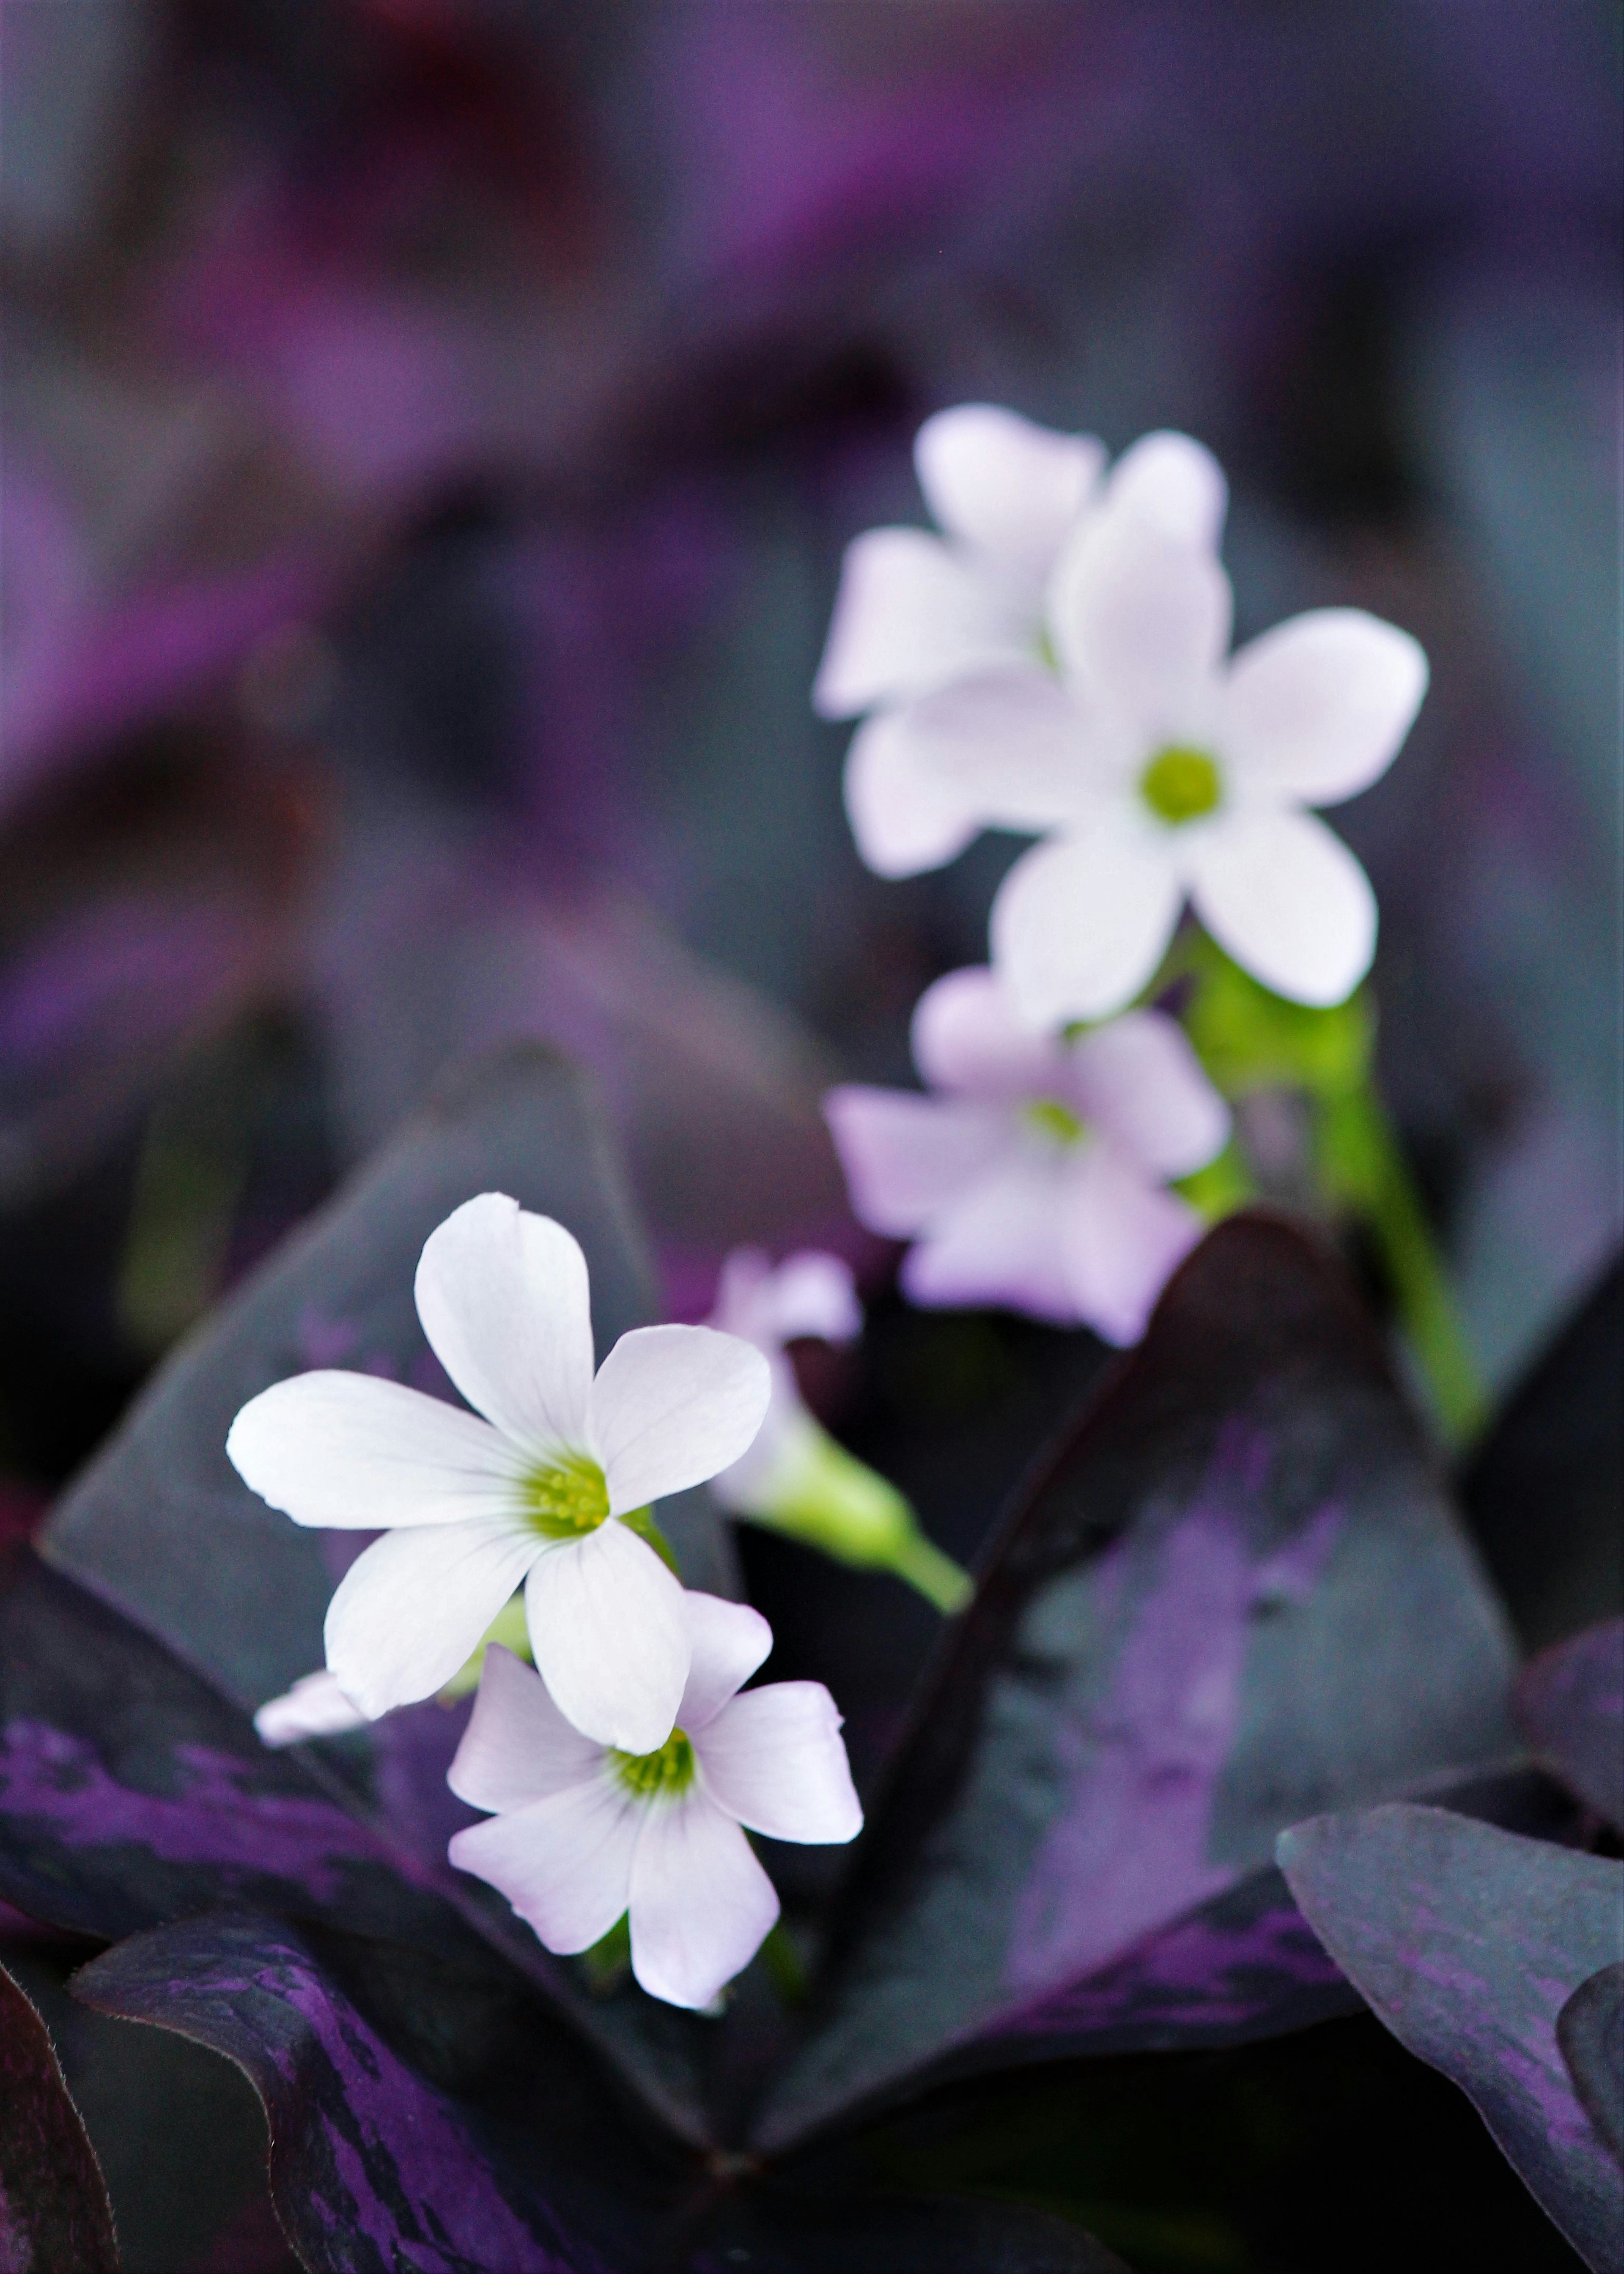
[(1180, 785), (563, 1499), (657, 1776), (1050, 1118)]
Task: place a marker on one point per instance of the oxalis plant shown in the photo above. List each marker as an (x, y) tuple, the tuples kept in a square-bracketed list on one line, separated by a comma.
[(384, 1701)]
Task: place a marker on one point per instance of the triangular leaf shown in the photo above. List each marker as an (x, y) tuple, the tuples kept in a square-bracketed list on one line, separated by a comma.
[(1235, 1594), (1468, 1942)]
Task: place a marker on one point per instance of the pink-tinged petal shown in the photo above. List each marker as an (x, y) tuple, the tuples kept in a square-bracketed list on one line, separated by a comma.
[(314, 1707), (906, 1157), (701, 1903), (1006, 487), (1286, 899), (1139, 1081), (565, 1862), (968, 1037), (775, 1759), (904, 816), (413, 1607), (1316, 709), (1141, 623), (671, 1406), (729, 1641), (809, 1293), (610, 1642), (1123, 1239), (1013, 743), (503, 1299), (349, 1451), (996, 1245), (518, 1747), (1080, 926), (1175, 484), (910, 613)]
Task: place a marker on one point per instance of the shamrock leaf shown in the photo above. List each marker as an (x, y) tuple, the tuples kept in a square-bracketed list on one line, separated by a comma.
[(1235, 1595), (53, 2209), (1469, 1942)]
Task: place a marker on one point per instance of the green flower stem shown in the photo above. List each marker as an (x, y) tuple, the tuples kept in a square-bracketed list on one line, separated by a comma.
[(1360, 1161), (941, 1581), (827, 1499)]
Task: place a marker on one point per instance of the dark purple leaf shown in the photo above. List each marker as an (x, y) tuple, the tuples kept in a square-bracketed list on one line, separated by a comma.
[(371, 2167), (54, 2210), (1570, 1701), (1468, 1942), (161, 1525), (1235, 1594), (1589, 2030), (1543, 1491)]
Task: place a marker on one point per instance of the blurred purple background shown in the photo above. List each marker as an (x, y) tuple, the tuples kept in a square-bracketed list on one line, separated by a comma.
[(431, 434)]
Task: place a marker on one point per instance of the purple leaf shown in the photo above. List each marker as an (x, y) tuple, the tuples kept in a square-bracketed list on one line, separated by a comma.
[(371, 2167), (1467, 1942), (1589, 2030), (1235, 1595), (54, 2210), (1570, 1701)]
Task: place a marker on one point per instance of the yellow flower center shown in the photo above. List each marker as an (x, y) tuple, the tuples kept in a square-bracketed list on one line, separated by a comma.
[(1051, 1119), (660, 1775), (1180, 784), (563, 1499)]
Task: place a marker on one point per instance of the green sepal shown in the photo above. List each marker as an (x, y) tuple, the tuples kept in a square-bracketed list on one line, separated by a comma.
[(641, 1520), (509, 1629), (1248, 1038)]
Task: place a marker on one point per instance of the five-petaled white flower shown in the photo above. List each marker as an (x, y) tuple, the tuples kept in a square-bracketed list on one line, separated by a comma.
[(1159, 770), (916, 611), (1035, 1178), (537, 1491), (583, 1833)]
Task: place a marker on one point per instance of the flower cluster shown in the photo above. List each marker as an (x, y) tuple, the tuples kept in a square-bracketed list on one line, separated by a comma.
[(624, 1767), (1056, 663)]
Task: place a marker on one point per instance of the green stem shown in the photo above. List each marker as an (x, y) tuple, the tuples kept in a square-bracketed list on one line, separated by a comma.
[(941, 1581), (1362, 1160)]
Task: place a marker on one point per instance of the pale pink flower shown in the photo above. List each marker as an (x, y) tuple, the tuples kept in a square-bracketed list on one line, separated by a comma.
[(1034, 1175)]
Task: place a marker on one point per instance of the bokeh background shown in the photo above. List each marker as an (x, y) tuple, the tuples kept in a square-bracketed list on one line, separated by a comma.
[(431, 431)]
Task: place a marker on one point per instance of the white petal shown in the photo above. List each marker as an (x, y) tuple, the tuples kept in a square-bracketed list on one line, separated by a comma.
[(351, 1452), (414, 1606), (1317, 708), (671, 1406), (1080, 926), (729, 1641), (1012, 743), (996, 1243), (700, 1901), (503, 1299), (1139, 1082), (314, 1707), (1175, 484), (968, 1035), (1140, 620), (565, 1863), (912, 612), (904, 815), (813, 1293), (611, 1643), (905, 1156), (517, 1746), (1286, 899), (775, 1759), (1003, 485), (1122, 1238)]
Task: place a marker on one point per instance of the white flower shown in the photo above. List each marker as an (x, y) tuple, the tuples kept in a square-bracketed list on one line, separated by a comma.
[(916, 611), (1164, 769), (1035, 1178), (543, 1492), (314, 1707), (795, 1479), (583, 1833)]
